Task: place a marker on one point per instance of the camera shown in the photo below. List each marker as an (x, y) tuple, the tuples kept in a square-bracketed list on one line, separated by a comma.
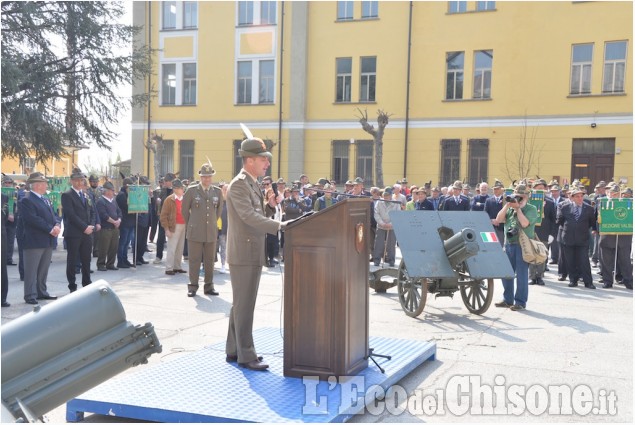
[(510, 198), (512, 232)]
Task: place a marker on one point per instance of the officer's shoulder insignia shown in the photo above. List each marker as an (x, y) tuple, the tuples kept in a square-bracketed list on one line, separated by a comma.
[(241, 176)]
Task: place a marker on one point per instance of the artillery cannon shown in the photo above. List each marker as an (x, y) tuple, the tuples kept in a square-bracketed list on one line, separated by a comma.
[(63, 349), (444, 252)]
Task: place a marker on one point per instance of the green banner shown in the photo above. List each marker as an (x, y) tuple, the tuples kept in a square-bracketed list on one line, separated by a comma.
[(10, 192), (138, 199), (616, 216), (59, 184), (537, 199), (56, 201)]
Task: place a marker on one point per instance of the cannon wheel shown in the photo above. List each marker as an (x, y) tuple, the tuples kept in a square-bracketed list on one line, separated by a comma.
[(413, 292), (477, 295)]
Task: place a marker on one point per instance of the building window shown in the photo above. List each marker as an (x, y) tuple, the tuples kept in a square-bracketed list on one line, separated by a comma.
[(267, 12), (256, 13), (189, 84), (457, 6), (450, 160), (343, 84), (368, 79), (582, 56), (186, 150), (167, 157), (266, 82), (483, 74), (344, 10), (365, 160), (168, 84), (245, 12), (244, 82), (485, 5), (340, 160), (477, 162), (238, 160), (370, 9), (190, 14), (168, 9), (454, 83), (614, 67)]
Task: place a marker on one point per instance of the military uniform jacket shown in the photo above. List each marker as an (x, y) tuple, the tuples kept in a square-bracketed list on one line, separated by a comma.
[(201, 210), (247, 223)]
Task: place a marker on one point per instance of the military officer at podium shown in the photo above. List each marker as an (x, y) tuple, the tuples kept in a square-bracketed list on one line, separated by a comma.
[(247, 228)]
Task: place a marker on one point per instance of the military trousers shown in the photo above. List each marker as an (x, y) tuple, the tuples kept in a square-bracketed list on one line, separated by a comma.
[(198, 251), (245, 282)]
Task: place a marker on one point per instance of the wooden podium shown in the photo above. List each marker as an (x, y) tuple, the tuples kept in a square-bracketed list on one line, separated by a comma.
[(326, 291)]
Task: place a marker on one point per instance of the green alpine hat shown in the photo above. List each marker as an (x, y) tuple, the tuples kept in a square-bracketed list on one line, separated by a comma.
[(254, 147)]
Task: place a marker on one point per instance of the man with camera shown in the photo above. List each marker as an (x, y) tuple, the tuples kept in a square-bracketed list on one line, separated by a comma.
[(518, 216)]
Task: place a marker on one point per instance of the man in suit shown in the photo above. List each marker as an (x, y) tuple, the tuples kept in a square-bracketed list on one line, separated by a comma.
[(94, 192), (576, 217), (493, 205), (110, 217), (248, 226), (41, 229), (457, 201), (202, 205), (537, 271), (127, 227), (79, 224), (555, 191), (478, 201)]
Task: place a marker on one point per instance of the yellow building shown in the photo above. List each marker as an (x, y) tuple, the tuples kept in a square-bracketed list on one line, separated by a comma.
[(472, 88), (52, 167)]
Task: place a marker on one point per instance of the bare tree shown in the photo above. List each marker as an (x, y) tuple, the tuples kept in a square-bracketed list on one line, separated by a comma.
[(155, 145), (523, 159), (378, 139)]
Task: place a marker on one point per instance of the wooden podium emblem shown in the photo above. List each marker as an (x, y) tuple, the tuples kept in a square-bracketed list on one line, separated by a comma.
[(359, 237)]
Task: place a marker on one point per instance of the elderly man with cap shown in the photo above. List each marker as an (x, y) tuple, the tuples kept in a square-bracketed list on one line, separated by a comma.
[(456, 201), (41, 228), (248, 227), (202, 206), (576, 218), (478, 201), (518, 216), (435, 199), (110, 215), (385, 239), (173, 222), (79, 224)]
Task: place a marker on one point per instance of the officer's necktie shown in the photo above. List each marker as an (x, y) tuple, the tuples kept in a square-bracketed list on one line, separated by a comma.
[(82, 197), (577, 213)]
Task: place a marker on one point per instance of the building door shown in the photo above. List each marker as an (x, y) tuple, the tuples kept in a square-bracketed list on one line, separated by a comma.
[(592, 161)]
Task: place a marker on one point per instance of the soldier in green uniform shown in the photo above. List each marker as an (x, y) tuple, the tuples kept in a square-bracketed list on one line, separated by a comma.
[(248, 226), (202, 205)]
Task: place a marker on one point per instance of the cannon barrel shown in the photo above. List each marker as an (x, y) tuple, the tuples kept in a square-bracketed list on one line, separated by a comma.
[(461, 246), (61, 350)]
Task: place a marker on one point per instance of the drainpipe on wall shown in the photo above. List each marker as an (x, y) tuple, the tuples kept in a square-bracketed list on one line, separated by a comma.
[(280, 89), (149, 81), (405, 150)]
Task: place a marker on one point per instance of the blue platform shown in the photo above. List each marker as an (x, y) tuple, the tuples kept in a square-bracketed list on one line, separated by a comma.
[(202, 387)]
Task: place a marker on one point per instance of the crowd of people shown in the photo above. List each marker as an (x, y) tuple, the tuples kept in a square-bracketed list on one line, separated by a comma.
[(189, 222)]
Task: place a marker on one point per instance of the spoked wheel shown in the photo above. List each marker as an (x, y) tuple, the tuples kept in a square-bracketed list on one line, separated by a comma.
[(412, 292), (477, 294)]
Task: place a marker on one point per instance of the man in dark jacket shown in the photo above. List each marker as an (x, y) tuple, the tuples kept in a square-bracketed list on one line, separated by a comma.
[(41, 228), (110, 216), (576, 218), (457, 201), (79, 224)]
